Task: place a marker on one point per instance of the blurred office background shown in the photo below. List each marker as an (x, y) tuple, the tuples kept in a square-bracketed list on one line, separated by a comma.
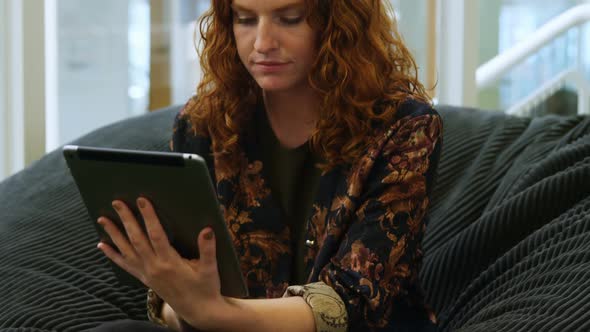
[(68, 67)]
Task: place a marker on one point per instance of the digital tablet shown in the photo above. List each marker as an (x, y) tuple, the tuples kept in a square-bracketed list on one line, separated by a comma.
[(179, 187)]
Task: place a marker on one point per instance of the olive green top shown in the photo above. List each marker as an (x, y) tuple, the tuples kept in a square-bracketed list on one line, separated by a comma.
[(293, 180)]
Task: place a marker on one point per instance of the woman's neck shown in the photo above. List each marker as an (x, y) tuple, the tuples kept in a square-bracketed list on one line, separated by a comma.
[(292, 115)]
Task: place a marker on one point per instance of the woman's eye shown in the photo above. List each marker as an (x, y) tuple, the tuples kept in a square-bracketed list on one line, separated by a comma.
[(291, 20), (246, 20), (286, 20)]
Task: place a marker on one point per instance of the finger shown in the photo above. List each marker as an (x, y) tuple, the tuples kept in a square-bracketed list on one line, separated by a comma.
[(207, 252), (136, 235), (118, 238), (114, 256), (156, 234)]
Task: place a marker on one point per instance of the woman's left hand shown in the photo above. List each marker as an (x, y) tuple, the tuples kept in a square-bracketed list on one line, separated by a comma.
[(191, 287)]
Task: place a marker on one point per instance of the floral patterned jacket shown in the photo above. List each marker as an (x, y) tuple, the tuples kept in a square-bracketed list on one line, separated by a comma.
[(365, 231)]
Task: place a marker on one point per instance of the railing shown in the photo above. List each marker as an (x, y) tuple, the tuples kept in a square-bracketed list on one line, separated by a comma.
[(490, 72), (524, 107)]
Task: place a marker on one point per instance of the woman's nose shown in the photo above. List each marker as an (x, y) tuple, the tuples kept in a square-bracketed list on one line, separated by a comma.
[(265, 37)]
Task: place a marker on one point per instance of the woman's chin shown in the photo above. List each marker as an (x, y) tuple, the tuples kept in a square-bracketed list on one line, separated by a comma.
[(275, 85)]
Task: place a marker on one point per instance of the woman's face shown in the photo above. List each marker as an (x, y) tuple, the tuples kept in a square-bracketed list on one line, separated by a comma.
[(274, 42)]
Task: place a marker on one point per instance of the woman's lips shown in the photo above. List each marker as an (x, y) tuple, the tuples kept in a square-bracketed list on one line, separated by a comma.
[(270, 67)]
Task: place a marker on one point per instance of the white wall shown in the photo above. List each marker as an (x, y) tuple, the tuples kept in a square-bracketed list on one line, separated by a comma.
[(12, 150), (3, 111), (34, 78), (24, 81)]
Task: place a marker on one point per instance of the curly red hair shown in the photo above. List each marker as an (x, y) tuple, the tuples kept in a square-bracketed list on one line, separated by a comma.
[(363, 72)]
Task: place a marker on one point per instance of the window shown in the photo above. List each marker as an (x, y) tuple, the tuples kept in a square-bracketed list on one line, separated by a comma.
[(122, 58), (505, 23), (98, 61), (411, 17), (93, 65)]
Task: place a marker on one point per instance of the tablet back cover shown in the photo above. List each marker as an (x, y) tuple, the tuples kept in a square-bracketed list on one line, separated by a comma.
[(179, 187)]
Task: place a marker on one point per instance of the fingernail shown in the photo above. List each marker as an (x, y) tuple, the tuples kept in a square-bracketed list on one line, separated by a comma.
[(116, 206), (100, 221), (141, 203), (209, 235)]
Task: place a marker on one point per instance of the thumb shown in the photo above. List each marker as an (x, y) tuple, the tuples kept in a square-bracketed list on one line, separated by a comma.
[(207, 252)]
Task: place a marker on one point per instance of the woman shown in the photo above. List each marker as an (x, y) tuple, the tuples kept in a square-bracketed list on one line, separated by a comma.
[(323, 147)]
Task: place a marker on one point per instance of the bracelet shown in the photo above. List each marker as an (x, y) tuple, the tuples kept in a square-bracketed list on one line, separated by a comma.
[(328, 308), (154, 308)]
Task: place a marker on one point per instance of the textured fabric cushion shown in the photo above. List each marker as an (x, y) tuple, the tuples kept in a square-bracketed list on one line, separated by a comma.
[(53, 277), (507, 247)]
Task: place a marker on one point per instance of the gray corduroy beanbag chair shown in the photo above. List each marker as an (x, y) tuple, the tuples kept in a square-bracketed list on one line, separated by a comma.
[(507, 247)]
